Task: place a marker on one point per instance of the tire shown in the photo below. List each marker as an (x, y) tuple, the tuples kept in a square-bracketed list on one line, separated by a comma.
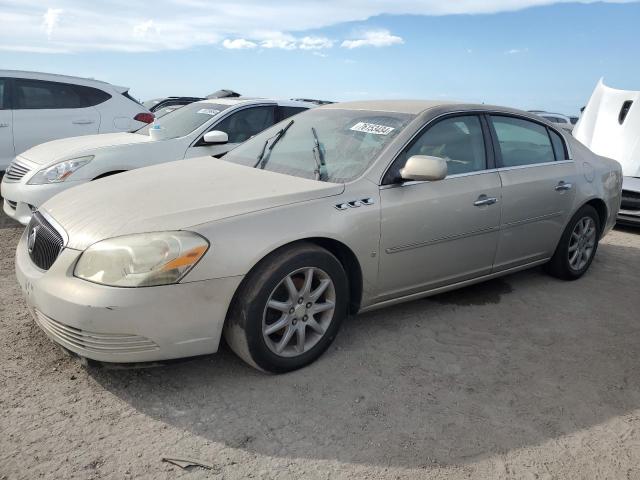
[(562, 264), (269, 327)]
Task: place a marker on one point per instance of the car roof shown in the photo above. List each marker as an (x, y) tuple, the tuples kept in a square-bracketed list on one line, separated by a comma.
[(55, 77), (232, 101), (419, 106)]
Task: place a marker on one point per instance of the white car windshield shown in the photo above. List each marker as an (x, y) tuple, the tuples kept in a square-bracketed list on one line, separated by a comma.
[(332, 145), (185, 120)]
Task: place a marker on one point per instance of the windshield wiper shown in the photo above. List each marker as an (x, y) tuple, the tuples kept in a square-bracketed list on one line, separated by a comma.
[(262, 161), (318, 155)]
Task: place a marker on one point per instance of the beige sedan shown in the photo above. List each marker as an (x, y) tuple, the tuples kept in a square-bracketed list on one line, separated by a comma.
[(338, 210)]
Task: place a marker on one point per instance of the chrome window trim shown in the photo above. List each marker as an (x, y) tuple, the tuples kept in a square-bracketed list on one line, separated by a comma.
[(476, 112), (477, 172)]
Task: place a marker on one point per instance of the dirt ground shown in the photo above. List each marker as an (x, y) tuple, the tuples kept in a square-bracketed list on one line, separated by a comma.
[(523, 377)]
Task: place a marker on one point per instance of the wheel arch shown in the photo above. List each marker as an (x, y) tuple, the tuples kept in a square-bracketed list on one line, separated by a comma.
[(601, 208), (341, 251)]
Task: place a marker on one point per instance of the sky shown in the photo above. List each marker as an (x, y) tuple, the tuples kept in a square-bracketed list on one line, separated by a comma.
[(529, 54)]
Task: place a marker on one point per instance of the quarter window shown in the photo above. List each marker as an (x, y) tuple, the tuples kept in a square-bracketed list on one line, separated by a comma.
[(522, 142), (558, 146), (246, 123)]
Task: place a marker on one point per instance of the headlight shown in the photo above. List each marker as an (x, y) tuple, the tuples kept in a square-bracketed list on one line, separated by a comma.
[(142, 260), (60, 171)]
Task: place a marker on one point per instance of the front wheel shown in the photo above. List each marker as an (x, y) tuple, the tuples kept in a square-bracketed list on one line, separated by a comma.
[(578, 245), (289, 309)]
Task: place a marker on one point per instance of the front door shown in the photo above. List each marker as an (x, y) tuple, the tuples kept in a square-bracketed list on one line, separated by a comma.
[(239, 126), (442, 232)]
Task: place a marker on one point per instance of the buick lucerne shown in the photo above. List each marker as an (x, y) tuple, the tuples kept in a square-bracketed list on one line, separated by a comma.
[(340, 209)]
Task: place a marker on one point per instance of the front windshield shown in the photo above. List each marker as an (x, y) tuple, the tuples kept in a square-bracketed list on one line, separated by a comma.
[(348, 141), (185, 120)]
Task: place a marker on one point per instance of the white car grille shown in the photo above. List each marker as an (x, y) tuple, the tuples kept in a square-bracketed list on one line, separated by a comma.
[(16, 171), (77, 339)]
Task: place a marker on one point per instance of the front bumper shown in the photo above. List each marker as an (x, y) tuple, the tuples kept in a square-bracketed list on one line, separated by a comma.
[(630, 208), (21, 199), (123, 325)]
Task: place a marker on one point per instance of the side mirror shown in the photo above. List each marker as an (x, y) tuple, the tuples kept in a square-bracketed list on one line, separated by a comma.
[(424, 168), (215, 136)]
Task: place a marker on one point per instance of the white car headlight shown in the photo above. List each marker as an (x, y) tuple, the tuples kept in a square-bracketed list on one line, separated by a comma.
[(60, 171), (141, 260)]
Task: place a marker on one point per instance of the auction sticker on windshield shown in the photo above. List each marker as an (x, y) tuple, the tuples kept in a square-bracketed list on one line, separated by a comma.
[(372, 128), (209, 111)]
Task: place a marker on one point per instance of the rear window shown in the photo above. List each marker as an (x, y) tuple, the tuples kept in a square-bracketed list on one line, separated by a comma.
[(559, 149), (522, 142), (92, 96)]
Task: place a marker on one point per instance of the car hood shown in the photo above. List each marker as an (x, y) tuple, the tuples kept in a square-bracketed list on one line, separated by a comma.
[(65, 148), (174, 196)]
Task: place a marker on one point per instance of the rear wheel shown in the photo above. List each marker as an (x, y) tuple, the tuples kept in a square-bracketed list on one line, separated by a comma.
[(578, 245), (289, 309)]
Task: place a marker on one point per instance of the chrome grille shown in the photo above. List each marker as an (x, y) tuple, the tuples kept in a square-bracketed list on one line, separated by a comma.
[(91, 341), (630, 200), (16, 171), (43, 241)]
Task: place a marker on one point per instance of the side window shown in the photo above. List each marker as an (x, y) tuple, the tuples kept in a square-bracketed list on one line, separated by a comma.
[(243, 125), (558, 146), (286, 112), (522, 142), (3, 93), (91, 96), (37, 94)]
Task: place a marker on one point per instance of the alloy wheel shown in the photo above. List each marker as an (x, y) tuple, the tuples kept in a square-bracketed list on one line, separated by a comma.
[(582, 243), (299, 312)]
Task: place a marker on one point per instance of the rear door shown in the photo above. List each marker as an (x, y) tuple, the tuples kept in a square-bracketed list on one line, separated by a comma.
[(7, 151), (45, 111), (538, 189), (442, 232), (239, 125)]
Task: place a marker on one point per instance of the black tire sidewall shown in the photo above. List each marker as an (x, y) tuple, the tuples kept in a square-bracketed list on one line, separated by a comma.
[(265, 281)]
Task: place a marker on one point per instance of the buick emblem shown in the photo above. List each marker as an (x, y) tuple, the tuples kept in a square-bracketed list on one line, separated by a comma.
[(31, 240)]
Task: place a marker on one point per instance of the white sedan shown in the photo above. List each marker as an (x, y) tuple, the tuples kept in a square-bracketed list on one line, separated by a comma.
[(207, 128)]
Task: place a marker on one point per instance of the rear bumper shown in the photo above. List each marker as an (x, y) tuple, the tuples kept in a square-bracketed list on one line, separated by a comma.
[(123, 325), (630, 207)]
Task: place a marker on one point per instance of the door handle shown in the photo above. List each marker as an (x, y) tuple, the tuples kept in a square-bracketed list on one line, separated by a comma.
[(563, 186), (3, 125), (82, 122), (484, 200)]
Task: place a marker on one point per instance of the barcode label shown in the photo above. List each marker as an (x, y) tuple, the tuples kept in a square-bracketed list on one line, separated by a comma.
[(372, 128)]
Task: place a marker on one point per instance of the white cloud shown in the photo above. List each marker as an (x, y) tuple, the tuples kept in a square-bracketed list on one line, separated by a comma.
[(78, 25), (315, 43), (143, 29), (277, 40), (374, 38), (50, 20), (515, 51), (238, 44)]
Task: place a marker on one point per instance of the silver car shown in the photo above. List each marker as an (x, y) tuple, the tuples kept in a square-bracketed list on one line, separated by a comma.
[(341, 209)]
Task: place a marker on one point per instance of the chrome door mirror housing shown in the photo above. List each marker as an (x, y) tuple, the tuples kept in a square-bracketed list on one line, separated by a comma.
[(424, 168), (215, 136)]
